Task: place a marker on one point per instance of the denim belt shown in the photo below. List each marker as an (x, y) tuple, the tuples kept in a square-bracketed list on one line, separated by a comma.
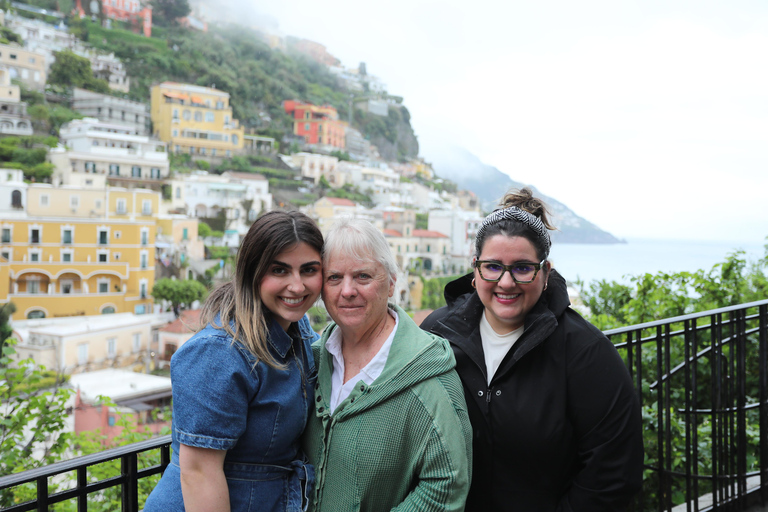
[(301, 475)]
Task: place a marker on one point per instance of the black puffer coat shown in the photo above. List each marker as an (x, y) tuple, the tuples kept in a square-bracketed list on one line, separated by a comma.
[(559, 427)]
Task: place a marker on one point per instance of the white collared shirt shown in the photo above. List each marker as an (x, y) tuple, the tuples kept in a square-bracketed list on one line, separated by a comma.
[(340, 390)]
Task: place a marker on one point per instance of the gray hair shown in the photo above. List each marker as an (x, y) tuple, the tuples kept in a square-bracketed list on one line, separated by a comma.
[(361, 240)]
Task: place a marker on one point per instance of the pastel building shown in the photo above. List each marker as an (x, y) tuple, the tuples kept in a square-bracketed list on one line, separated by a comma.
[(86, 343), (316, 124), (132, 115), (195, 120), (93, 245), (13, 112), (26, 65), (95, 147)]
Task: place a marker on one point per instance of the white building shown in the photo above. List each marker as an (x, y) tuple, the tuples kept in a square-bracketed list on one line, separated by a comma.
[(95, 147), (461, 227), (313, 165), (13, 194), (133, 115), (241, 198)]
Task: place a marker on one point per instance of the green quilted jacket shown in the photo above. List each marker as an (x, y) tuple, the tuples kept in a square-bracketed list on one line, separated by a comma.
[(403, 443)]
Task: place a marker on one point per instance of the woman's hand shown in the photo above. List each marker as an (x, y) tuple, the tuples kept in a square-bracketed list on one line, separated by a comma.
[(203, 483)]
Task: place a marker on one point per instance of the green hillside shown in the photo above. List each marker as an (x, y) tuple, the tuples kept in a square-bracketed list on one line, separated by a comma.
[(257, 78)]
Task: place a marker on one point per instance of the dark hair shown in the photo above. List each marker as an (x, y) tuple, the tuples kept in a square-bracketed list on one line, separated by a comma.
[(524, 200), (238, 302)]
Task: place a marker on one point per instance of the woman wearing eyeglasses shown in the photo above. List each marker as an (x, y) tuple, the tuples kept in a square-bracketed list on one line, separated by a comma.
[(556, 420)]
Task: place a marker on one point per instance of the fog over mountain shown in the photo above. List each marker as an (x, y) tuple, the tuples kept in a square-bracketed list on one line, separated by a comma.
[(490, 184)]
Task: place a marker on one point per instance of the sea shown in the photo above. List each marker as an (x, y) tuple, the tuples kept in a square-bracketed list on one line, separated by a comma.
[(619, 262)]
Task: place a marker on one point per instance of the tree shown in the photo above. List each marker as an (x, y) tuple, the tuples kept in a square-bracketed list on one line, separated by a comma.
[(178, 292), (167, 12), (33, 408), (71, 70), (6, 330)]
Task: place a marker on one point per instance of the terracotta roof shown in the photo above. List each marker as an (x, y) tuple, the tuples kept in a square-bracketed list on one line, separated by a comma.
[(245, 175), (425, 233), (188, 321), (392, 232), (338, 201)]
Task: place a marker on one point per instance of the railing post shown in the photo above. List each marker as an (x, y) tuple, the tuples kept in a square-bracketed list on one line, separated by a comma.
[(129, 470), (762, 321)]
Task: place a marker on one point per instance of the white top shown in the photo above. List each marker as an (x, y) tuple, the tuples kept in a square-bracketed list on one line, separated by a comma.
[(496, 346), (369, 373)]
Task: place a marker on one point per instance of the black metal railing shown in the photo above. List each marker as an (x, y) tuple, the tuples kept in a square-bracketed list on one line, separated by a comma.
[(703, 382), (130, 474)]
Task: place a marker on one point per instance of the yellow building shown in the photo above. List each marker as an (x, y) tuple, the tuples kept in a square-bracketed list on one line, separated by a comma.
[(195, 120), (94, 246), (24, 65)]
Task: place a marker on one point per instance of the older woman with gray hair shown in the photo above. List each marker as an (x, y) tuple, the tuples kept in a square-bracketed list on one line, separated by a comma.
[(390, 429)]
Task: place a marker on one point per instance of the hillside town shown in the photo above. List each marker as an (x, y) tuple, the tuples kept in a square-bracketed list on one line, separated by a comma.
[(81, 251)]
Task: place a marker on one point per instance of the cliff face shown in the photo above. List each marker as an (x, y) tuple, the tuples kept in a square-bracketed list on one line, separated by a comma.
[(490, 184)]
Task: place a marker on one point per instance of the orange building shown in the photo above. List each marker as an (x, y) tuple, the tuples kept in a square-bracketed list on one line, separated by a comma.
[(318, 125)]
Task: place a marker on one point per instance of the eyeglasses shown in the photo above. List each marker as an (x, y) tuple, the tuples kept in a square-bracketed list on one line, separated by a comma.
[(522, 272)]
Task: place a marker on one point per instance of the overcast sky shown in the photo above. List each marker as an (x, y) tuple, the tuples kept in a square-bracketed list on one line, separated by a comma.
[(649, 118)]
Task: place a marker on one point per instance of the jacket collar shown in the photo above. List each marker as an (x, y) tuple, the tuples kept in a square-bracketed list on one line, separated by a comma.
[(465, 307), (415, 356)]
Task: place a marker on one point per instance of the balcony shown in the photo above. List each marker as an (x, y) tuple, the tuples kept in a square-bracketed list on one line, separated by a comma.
[(703, 382)]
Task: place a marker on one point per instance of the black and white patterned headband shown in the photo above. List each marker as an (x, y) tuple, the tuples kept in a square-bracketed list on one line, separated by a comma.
[(515, 213)]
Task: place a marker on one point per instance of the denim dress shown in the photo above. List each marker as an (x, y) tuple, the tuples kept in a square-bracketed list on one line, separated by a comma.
[(223, 399)]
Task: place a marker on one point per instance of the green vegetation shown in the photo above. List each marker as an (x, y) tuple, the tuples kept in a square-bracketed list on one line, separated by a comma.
[(233, 59), (665, 295), (71, 70), (28, 154), (178, 292), (432, 295), (422, 221), (33, 405), (33, 417)]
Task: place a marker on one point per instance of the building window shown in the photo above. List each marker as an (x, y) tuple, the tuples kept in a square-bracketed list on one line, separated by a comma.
[(136, 171), (178, 192), (144, 258), (235, 140), (33, 286), (66, 236), (155, 173), (146, 207), (66, 256), (37, 313), (44, 200), (6, 235), (90, 167), (114, 170), (108, 310), (34, 236), (5, 255), (175, 113), (143, 290), (121, 208), (103, 257), (175, 133), (66, 287), (103, 237), (185, 234), (136, 341), (187, 115), (139, 310), (34, 256), (111, 347), (144, 236), (16, 199), (74, 201), (209, 117), (104, 287), (82, 353), (198, 116), (219, 105)]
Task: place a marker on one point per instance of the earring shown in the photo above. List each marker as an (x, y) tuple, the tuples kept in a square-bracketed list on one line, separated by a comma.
[(473, 283), (546, 284)]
